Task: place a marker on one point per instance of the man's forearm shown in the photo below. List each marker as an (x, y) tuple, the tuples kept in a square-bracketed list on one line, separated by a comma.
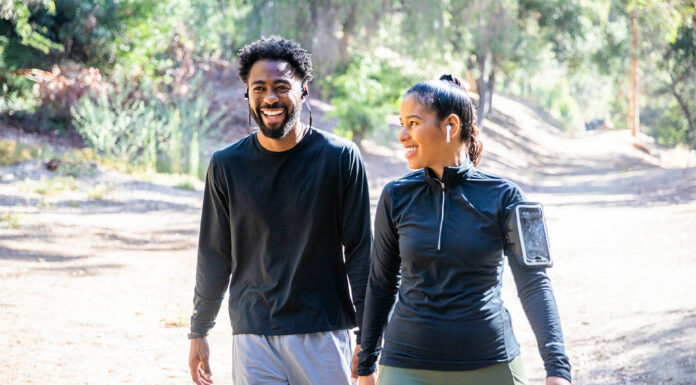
[(205, 309), (213, 266)]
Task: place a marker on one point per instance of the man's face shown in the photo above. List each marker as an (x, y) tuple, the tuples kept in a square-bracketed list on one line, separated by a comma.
[(275, 97)]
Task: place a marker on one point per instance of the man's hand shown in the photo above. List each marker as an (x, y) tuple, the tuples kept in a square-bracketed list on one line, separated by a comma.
[(557, 381), (354, 374), (198, 362), (368, 380)]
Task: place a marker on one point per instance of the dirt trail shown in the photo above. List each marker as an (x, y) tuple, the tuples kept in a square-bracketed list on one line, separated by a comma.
[(98, 291), (622, 233)]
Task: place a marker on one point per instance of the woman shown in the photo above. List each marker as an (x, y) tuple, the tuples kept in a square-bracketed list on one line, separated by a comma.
[(440, 232)]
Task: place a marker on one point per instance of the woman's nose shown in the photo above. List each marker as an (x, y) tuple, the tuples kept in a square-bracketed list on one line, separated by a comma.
[(403, 134)]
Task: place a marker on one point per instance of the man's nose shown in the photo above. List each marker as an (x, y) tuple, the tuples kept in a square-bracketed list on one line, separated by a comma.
[(271, 97)]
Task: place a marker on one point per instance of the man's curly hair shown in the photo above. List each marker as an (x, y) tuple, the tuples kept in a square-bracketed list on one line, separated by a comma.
[(275, 48)]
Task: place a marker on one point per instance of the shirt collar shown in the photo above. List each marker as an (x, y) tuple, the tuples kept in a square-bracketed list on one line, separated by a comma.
[(451, 176)]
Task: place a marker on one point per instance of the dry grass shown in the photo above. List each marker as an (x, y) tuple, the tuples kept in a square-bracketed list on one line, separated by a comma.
[(13, 152)]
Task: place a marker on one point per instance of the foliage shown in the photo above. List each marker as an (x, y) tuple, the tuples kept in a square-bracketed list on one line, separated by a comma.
[(99, 191), (572, 57), (77, 169), (15, 22), (186, 185), (314, 24), (60, 89), (17, 98), (133, 125), (49, 186), (119, 125), (666, 124), (12, 152), (12, 220), (679, 62), (364, 95), (217, 28)]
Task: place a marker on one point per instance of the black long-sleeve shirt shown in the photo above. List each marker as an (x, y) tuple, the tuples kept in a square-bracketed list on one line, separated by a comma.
[(273, 231), (445, 242)]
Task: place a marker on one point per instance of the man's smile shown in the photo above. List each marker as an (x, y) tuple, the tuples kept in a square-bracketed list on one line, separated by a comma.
[(273, 114)]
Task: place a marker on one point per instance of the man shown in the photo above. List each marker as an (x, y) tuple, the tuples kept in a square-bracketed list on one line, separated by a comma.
[(286, 226)]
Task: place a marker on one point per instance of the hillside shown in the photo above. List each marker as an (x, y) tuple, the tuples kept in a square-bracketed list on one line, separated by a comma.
[(97, 284)]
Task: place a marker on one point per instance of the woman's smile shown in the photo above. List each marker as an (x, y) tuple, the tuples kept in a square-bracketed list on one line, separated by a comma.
[(410, 151)]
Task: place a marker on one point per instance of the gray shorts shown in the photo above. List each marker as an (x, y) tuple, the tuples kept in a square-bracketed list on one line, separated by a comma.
[(296, 359)]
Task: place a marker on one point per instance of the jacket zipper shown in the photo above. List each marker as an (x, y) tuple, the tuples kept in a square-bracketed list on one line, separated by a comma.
[(442, 218)]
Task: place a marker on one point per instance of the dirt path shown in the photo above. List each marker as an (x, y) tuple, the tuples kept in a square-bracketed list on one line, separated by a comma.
[(98, 291)]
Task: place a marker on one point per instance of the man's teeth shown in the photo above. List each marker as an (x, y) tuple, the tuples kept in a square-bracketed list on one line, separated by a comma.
[(272, 112), (410, 149)]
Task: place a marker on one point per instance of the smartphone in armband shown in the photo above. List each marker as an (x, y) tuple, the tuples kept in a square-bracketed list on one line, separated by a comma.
[(527, 236)]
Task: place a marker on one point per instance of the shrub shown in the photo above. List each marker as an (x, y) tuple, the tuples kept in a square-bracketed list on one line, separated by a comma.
[(132, 124), (119, 124), (12, 152), (12, 220), (666, 123), (61, 88), (364, 95), (185, 185), (98, 191), (48, 187)]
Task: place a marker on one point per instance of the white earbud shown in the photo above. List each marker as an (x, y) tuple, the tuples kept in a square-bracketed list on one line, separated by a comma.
[(449, 131)]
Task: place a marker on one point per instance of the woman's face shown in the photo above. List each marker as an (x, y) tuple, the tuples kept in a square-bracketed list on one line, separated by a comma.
[(424, 137)]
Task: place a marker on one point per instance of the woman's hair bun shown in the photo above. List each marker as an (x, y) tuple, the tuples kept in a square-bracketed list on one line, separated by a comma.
[(452, 79)]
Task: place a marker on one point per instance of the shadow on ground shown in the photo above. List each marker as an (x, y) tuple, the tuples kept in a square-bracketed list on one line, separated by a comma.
[(79, 270), (659, 352), (7, 253)]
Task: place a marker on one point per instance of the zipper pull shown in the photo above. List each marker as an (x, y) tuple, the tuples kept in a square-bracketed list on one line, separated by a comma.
[(443, 185)]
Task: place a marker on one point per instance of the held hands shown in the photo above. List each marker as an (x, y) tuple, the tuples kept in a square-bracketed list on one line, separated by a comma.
[(368, 380), (361, 380), (354, 367), (198, 362), (557, 381)]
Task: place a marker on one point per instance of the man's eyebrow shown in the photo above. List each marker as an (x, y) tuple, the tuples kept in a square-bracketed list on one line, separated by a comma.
[(274, 82), (414, 116)]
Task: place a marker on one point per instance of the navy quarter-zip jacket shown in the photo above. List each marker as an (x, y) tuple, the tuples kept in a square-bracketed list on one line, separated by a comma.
[(440, 244), (287, 234)]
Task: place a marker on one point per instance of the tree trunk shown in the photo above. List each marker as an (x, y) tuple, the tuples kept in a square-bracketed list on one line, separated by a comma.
[(633, 112), (491, 86), (348, 27), (324, 44), (359, 135), (482, 85), (344, 48)]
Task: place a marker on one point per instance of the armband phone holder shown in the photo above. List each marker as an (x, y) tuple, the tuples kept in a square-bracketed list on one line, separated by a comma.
[(527, 236)]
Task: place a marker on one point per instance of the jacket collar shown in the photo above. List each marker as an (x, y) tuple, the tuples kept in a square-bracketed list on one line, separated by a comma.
[(451, 176)]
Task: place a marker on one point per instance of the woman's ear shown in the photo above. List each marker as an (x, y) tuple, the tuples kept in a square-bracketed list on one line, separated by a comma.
[(453, 121)]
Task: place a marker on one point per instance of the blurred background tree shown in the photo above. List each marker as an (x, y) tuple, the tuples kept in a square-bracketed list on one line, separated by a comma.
[(577, 59)]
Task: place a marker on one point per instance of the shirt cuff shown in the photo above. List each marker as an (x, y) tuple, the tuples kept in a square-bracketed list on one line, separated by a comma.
[(559, 372), (367, 362)]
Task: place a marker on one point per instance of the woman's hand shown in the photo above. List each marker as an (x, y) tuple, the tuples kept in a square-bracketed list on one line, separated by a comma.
[(368, 380), (557, 381)]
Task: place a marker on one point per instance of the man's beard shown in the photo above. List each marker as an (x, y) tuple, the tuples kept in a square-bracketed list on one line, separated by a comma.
[(286, 126)]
